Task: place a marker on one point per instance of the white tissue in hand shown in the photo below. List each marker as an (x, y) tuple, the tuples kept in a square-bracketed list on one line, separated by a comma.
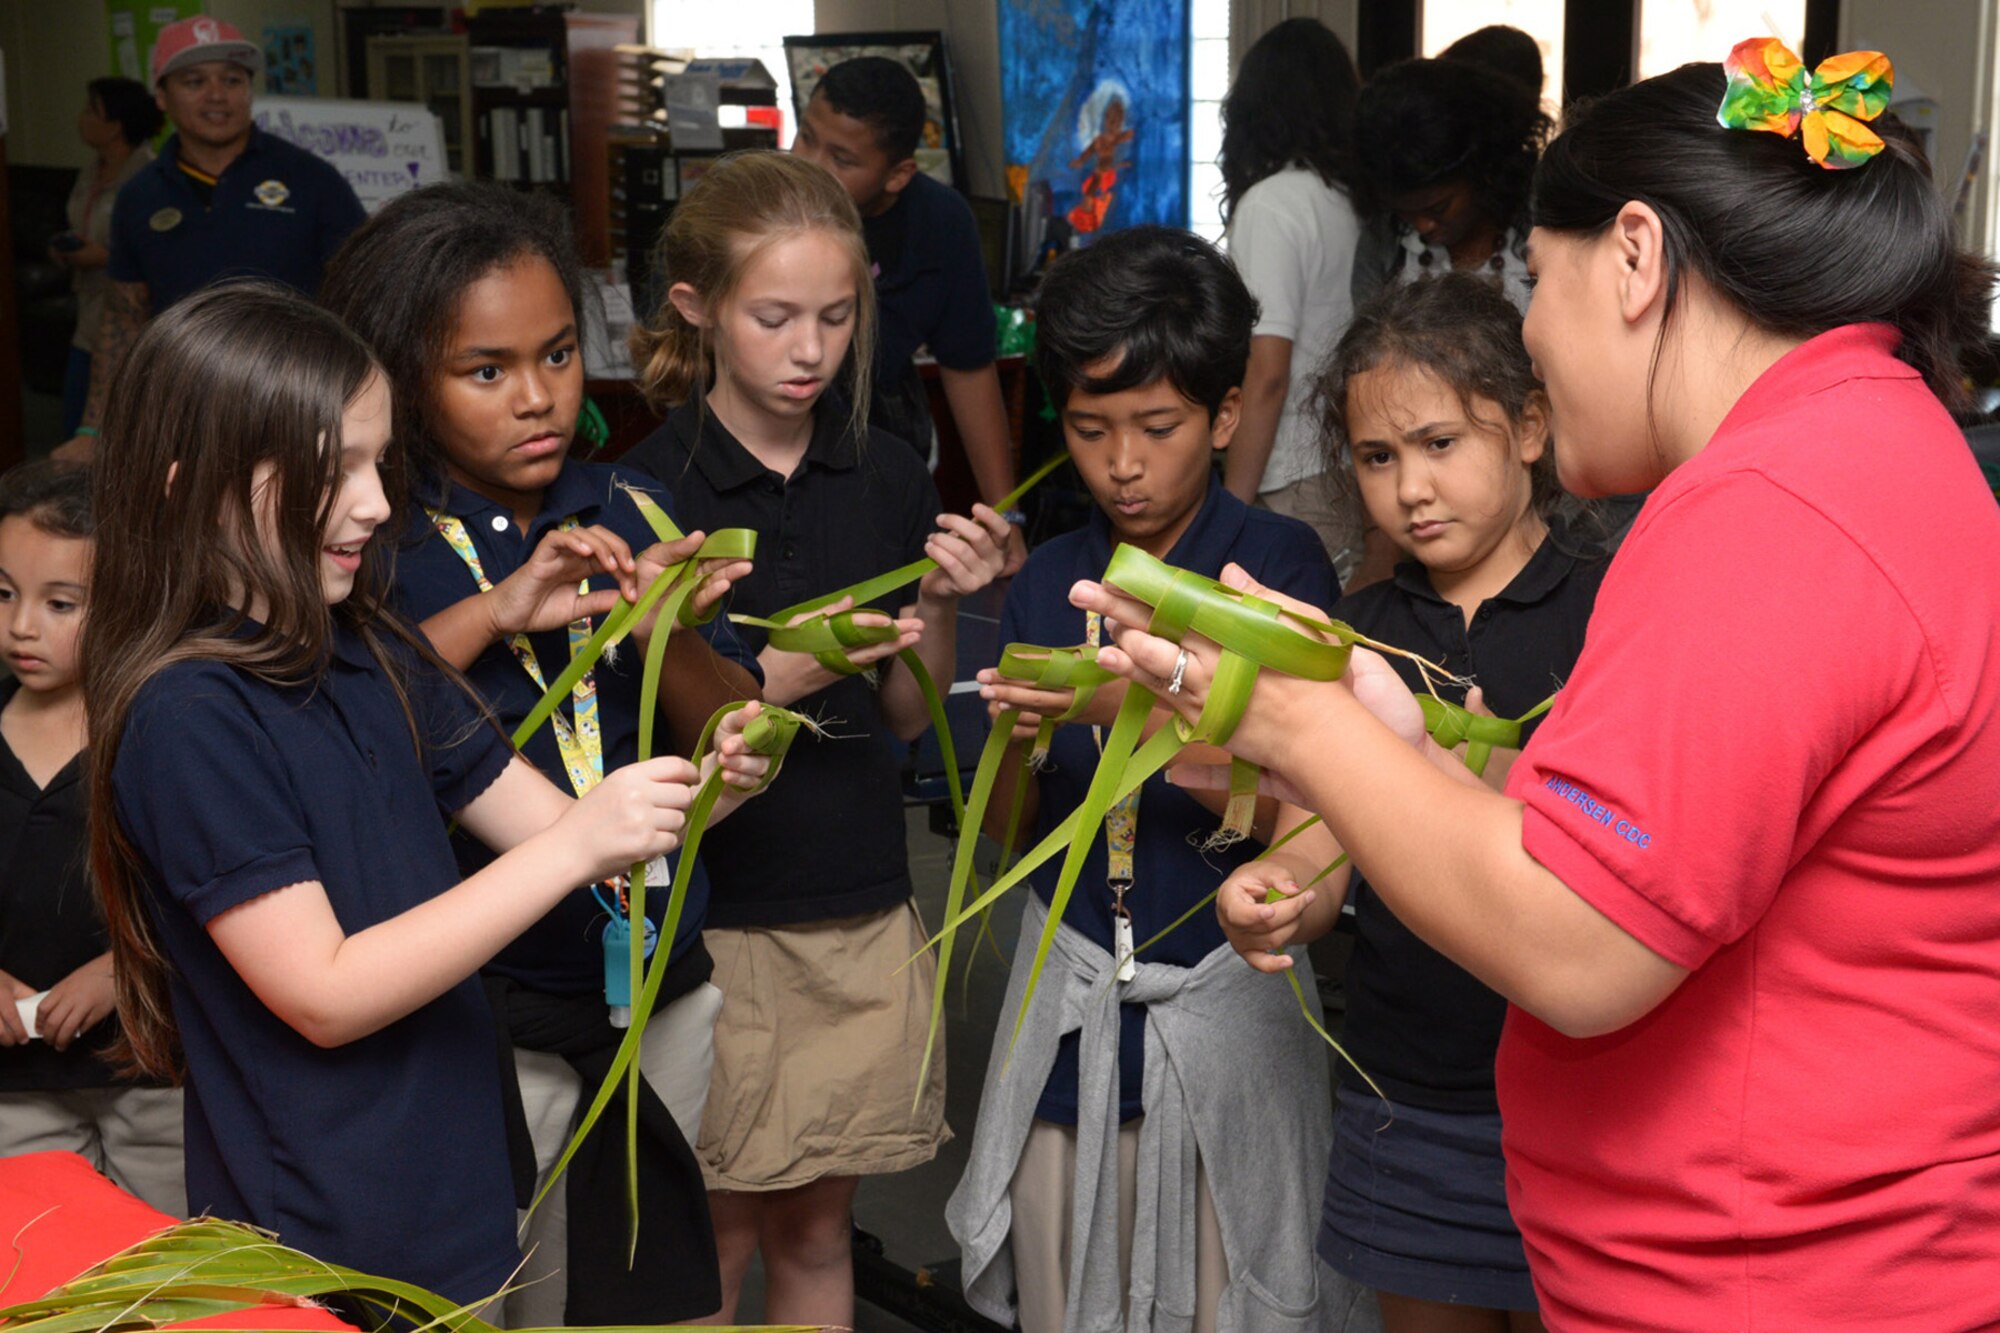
[(26, 1008)]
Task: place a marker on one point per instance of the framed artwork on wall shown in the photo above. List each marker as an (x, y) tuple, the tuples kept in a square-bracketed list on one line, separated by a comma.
[(1094, 99)]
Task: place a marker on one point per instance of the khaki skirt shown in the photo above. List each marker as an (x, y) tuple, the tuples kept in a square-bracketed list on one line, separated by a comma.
[(817, 1052)]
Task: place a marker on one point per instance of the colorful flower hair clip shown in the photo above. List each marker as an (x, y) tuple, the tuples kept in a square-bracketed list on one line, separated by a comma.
[(1769, 89)]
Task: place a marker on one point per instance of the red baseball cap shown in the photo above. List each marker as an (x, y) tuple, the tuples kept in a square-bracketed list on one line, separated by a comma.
[(199, 39)]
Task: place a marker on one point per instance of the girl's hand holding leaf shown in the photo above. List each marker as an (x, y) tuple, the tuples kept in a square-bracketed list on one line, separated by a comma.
[(634, 815), (543, 594), (789, 677), (1259, 907), (970, 553), (742, 769), (717, 577)]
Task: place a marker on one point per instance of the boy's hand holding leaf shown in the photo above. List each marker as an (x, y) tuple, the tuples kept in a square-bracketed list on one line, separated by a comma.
[(970, 553)]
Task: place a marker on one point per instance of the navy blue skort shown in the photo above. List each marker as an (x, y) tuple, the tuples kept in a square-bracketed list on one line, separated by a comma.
[(1416, 1205)]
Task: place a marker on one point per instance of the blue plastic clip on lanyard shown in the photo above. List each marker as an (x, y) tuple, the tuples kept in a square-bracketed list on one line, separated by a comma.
[(618, 966)]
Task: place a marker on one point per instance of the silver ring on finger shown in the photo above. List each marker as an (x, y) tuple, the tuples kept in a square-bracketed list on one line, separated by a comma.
[(1180, 670)]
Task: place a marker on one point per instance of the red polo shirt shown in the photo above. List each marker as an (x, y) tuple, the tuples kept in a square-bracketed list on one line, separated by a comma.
[(1778, 764)]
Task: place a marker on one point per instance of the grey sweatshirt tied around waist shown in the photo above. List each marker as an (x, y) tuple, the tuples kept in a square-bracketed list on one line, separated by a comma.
[(1232, 1074)]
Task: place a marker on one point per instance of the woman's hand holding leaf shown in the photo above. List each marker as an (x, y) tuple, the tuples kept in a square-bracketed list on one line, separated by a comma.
[(545, 592), (634, 815), (1036, 702)]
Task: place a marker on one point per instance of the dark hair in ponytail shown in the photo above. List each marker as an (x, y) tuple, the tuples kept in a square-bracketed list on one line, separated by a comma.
[(1795, 247)]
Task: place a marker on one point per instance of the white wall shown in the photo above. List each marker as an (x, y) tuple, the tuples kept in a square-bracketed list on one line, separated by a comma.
[(1935, 46)]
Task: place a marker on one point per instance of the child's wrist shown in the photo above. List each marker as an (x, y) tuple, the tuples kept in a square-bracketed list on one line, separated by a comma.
[(492, 615)]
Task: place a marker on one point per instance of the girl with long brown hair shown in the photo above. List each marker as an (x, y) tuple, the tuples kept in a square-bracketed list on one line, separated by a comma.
[(274, 758)]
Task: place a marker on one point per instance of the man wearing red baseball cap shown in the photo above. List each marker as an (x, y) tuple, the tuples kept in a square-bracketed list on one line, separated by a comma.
[(222, 200)]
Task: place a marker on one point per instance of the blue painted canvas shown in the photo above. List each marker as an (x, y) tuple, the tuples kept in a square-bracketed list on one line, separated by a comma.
[(1095, 105)]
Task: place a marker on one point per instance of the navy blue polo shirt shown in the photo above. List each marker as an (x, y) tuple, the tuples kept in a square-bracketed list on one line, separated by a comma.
[(930, 283), (387, 1154), (1422, 1026), (1169, 874), (277, 212), (560, 954), (850, 510)]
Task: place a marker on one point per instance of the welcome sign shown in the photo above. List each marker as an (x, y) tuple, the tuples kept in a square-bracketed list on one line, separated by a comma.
[(382, 148)]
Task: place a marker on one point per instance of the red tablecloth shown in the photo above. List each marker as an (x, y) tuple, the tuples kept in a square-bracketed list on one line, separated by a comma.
[(59, 1217)]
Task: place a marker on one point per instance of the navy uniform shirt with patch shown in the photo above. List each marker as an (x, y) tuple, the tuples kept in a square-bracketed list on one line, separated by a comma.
[(827, 839), (277, 212), (930, 283), (387, 1154), (1421, 1025), (1169, 875), (558, 955)]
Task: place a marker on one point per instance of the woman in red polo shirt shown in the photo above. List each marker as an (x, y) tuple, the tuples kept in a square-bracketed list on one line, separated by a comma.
[(1744, 889)]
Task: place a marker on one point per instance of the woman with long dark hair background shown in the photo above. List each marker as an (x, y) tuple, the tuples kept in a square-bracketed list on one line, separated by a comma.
[(1289, 183)]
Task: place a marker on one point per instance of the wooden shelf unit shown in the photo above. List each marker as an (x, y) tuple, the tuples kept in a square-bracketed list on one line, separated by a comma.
[(544, 97)]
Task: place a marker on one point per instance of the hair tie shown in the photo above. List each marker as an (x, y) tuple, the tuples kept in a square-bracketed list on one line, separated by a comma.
[(1769, 89)]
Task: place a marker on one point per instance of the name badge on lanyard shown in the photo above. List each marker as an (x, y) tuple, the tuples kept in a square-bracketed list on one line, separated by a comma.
[(1121, 837)]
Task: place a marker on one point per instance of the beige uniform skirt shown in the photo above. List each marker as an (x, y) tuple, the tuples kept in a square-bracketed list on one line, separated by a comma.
[(817, 1052)]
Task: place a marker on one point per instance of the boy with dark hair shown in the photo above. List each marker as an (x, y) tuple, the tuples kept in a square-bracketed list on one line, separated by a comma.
[(1110, 1157), (863, 124)]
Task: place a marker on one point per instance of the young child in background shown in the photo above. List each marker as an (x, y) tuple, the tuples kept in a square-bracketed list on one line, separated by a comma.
[(274, 757), (1431, 398), (821, 1036), (1113, 1166), (57, 1089), (469, 295)]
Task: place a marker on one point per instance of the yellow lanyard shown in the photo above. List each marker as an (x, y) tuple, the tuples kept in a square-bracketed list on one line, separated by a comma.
[(582, 745)]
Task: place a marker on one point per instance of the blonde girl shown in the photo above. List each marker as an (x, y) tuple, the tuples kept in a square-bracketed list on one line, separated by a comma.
[(817, 1048)]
